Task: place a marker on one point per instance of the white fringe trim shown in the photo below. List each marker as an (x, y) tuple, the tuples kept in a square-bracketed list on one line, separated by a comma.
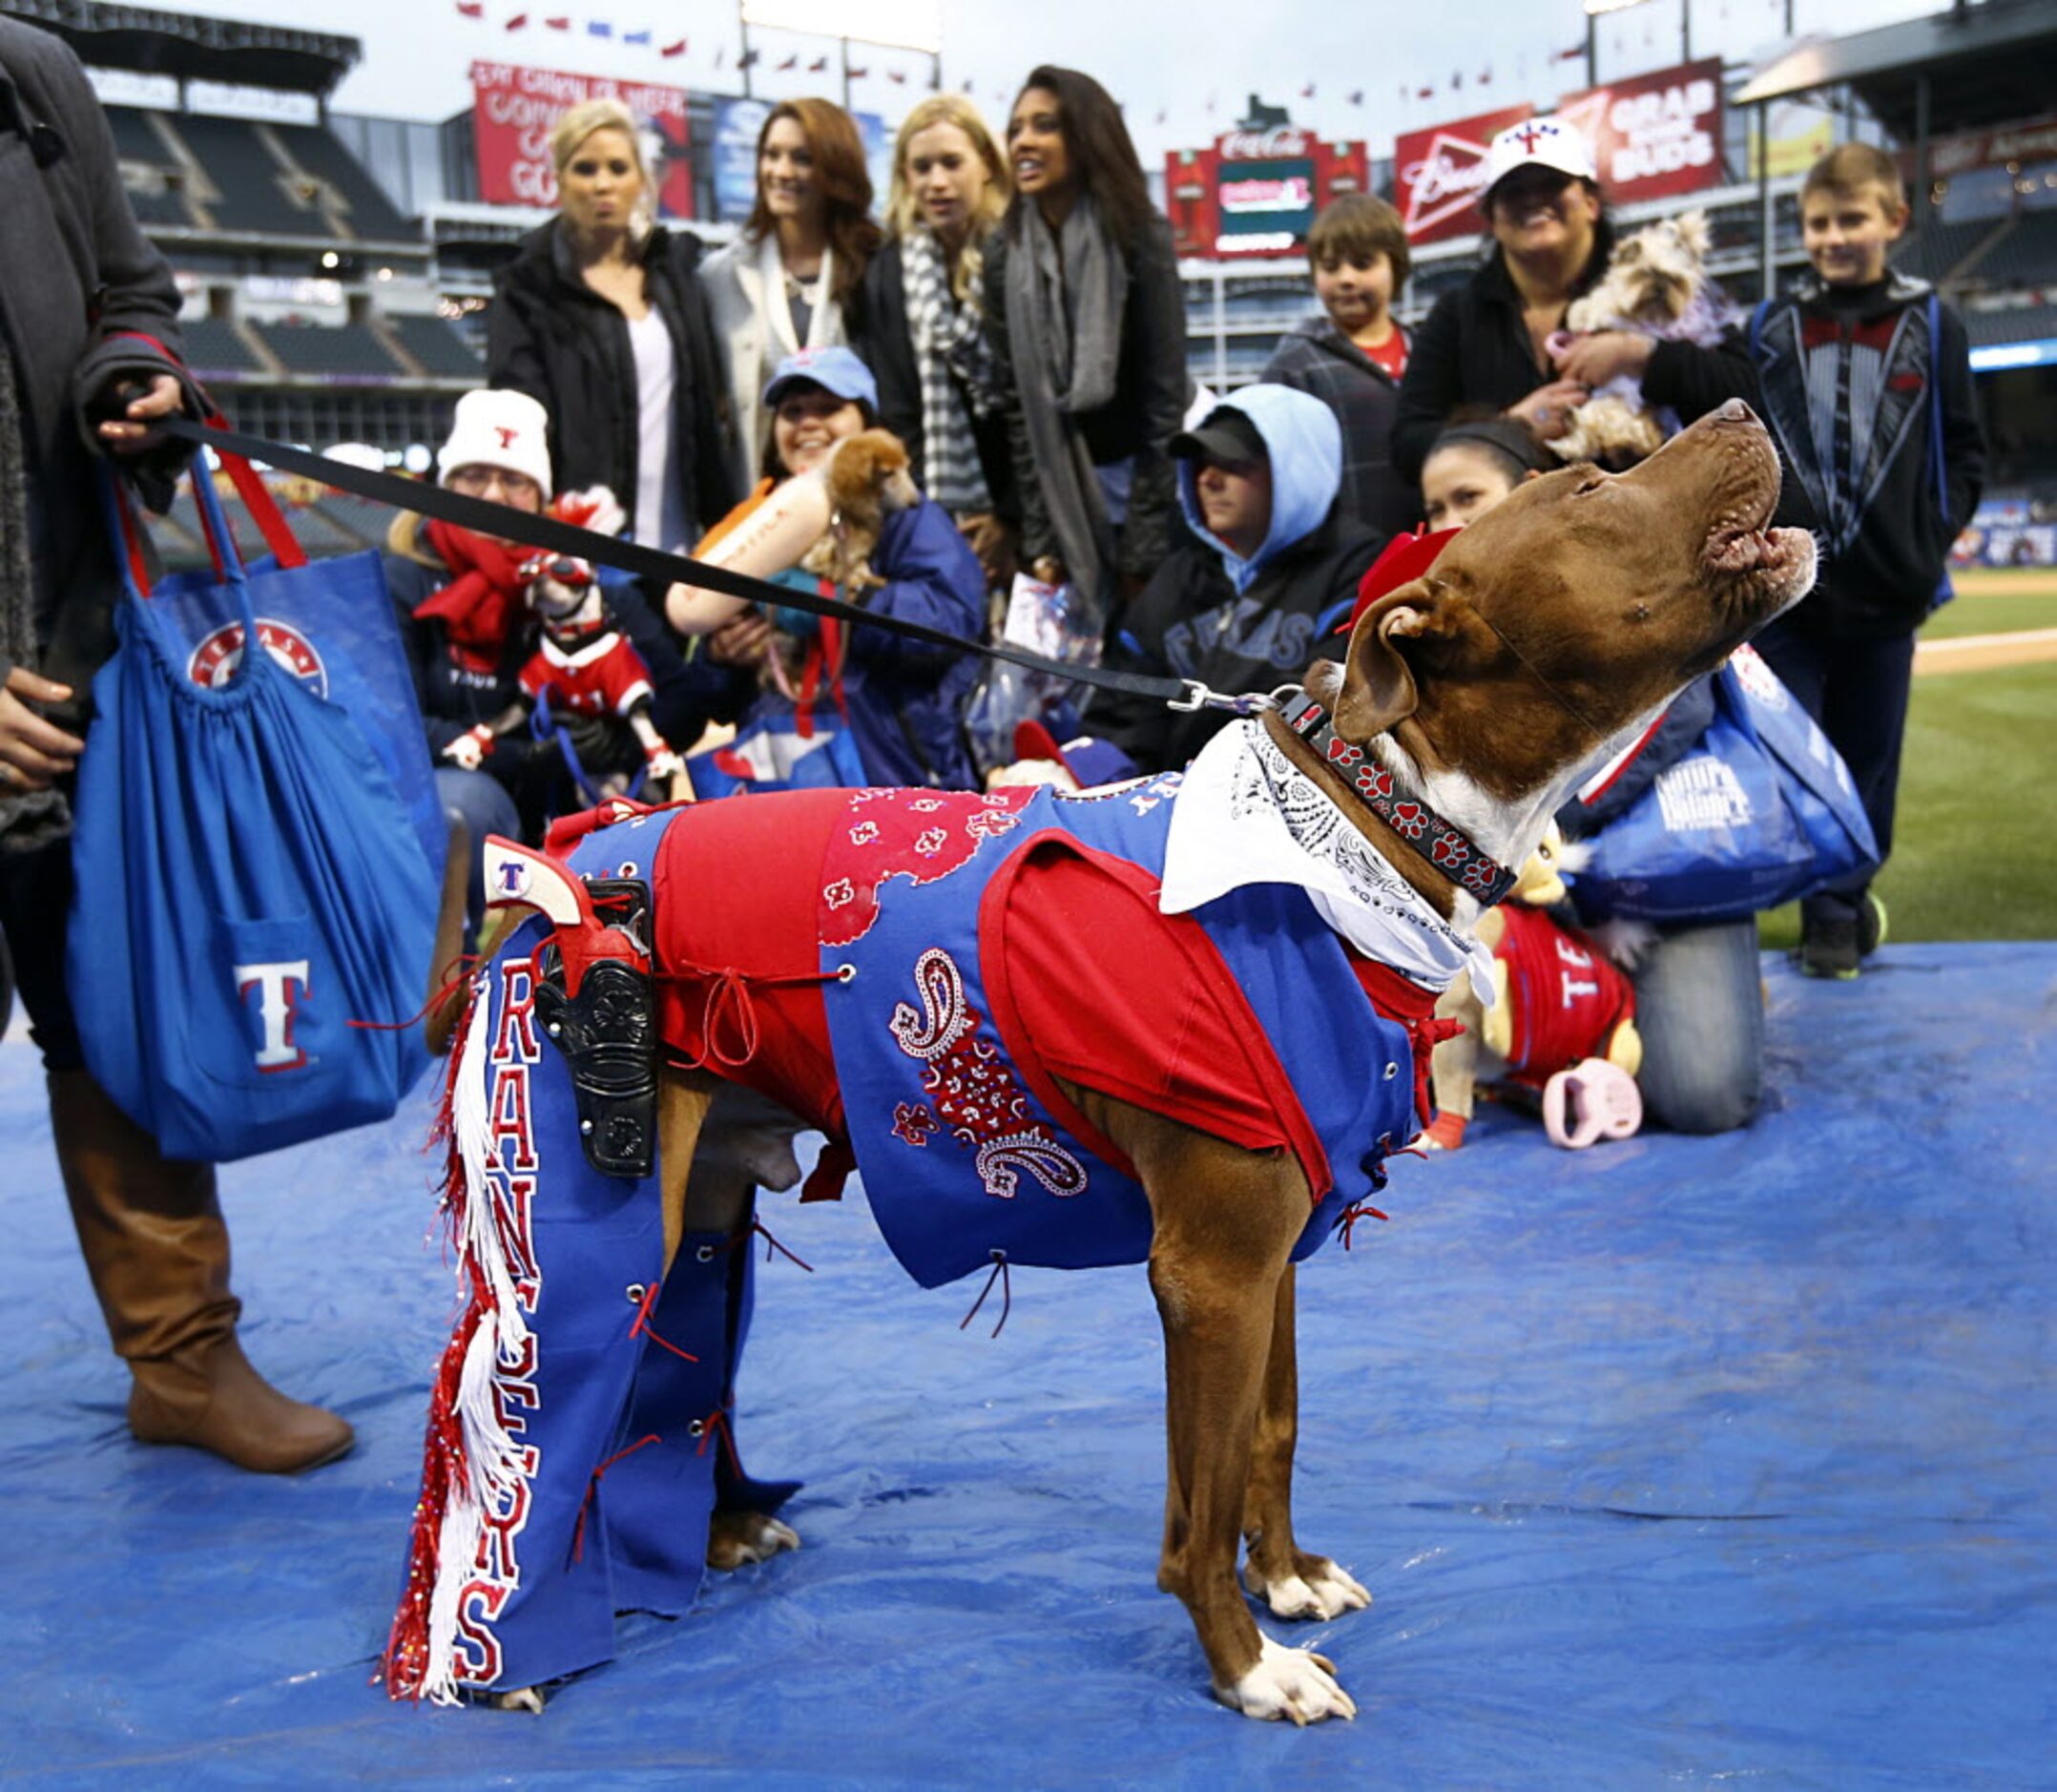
[(492, 1459)]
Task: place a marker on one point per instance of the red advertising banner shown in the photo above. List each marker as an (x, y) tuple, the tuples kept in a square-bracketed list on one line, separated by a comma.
[(1655, 136), (1256, 192), (1438, 174), (512, 111)]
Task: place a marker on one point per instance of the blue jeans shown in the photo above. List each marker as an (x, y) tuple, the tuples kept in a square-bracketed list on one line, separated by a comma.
[(481, 801), (1699, 1005)]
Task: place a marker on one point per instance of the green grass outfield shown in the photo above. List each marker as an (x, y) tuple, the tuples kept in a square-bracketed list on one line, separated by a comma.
[(1974, 855), (1996, 600)]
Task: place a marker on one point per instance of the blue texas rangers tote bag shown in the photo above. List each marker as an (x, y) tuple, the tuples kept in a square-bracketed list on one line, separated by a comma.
[(250, 890), (1760, 811)]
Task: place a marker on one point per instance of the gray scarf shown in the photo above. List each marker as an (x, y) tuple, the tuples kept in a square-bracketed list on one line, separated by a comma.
[(1064, 316), (27, 817)]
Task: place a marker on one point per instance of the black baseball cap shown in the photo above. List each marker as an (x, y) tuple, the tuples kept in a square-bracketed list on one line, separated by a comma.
[(1224, 434)]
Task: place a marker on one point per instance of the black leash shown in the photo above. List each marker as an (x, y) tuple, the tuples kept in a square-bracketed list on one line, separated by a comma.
[(671, 569)]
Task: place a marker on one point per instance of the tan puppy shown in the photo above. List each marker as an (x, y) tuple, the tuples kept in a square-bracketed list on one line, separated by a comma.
[(866, 478)]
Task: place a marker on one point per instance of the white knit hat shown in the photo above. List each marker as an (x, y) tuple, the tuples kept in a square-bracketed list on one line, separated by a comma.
[(504, 429)]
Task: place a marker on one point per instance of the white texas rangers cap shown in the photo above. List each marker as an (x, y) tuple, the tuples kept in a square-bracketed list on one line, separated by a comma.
[(1538, 143)]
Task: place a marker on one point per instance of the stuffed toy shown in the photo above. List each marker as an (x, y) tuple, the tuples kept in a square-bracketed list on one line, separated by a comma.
[(584, 665), (1562, 1025), (1656, 285)]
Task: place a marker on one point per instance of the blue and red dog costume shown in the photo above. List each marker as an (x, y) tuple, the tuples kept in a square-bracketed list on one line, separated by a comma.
[(901, 969)]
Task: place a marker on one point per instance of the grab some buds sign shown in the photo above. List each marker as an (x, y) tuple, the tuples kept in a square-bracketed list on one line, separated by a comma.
[(1655, 136)]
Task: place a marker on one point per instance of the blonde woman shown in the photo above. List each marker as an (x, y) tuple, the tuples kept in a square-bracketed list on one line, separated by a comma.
[(793, 279), (925, 325), (600, 317)]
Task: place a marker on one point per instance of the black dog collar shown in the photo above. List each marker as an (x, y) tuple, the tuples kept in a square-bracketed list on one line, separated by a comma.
[(1449, 850)]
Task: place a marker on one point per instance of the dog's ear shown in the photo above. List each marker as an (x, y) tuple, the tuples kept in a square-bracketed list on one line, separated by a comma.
[(1377, 678), (1692, 228)]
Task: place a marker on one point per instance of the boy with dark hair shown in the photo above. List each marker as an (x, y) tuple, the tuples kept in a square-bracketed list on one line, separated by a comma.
[(1351, 357), (1864, 379)]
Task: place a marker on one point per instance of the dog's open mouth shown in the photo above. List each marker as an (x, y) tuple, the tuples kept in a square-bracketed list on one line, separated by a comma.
[(1776, 564)]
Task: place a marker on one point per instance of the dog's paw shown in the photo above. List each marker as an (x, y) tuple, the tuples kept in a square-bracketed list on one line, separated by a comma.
[(521, 1698), (736, 1540), (1293, 1683), (1321, 1591)]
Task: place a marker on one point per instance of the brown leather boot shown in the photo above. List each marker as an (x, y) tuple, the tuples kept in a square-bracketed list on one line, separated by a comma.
[(159, 1254)]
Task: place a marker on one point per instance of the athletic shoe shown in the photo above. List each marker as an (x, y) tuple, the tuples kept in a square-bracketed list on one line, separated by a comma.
[(1871, 930), (1828, 949)]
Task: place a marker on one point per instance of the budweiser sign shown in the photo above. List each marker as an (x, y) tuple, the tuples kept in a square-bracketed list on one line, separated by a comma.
[(1440, 174)]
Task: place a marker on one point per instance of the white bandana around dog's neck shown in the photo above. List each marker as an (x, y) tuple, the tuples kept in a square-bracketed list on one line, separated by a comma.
[(1247, 814)]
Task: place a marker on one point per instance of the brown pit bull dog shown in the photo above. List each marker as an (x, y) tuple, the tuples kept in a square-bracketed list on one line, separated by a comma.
[(1129, 1077)]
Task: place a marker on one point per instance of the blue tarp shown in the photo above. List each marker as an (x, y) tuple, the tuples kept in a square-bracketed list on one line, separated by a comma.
[(1674, 1460)]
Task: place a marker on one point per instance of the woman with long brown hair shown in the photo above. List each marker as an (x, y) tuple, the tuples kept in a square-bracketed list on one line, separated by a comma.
[(1088, 320), (924, 334), (793, 279)]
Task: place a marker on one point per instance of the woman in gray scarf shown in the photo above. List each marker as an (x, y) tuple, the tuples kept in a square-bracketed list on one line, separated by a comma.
[(1087, 321)]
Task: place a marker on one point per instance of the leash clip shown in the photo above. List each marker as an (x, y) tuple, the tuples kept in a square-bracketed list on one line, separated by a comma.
[(1197, 696)]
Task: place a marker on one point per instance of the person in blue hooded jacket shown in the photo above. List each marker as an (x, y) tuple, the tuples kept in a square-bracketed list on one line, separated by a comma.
[(1268, 563), (902, 701)]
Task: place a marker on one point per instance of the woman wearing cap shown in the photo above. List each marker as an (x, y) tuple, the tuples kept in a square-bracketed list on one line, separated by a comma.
[(1474, 464), (1088, 318), (793, 279), (1485, 343), (903, 702), (462, 598), (925, 323), (600, 319)]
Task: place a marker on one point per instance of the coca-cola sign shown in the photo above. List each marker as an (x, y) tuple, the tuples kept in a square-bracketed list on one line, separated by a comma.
[(1281, 142), (1438, 174)]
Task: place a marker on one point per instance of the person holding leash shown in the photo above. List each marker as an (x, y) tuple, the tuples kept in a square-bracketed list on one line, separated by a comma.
[(88, 362)]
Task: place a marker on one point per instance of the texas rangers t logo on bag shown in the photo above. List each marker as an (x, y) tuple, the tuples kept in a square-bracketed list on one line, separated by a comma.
[(277, 984)]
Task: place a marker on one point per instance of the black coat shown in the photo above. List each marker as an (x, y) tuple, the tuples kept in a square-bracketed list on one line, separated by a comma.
[(1190, 623), (550, 335), (76, 276), (1152, 390), (884, 336), (1473, 349), (1884, 581)]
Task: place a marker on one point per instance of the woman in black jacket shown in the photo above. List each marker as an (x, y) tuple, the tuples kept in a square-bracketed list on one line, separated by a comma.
[(1485, 343), (923, 330), (1087, 321), (600, 317)]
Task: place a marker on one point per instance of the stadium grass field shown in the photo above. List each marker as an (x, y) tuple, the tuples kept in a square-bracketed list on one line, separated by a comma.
[(1993, 601), (1972, 853)]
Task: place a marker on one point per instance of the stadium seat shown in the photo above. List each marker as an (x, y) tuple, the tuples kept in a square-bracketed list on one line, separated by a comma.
[(214, 347), (338, 351), (368, 213), (248, 177), (443, 352)]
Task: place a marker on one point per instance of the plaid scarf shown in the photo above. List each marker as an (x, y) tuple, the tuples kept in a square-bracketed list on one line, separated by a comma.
[(957, 375)]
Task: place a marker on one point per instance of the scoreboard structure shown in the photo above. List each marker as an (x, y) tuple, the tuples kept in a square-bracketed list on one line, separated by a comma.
[(1253, 194)]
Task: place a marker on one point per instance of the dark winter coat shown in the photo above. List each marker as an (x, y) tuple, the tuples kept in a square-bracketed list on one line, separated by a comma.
[(1152, 390), (1881, 580), (76, 276), (550, 335), (1314, 356), (885, 341), (1472, 349)]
